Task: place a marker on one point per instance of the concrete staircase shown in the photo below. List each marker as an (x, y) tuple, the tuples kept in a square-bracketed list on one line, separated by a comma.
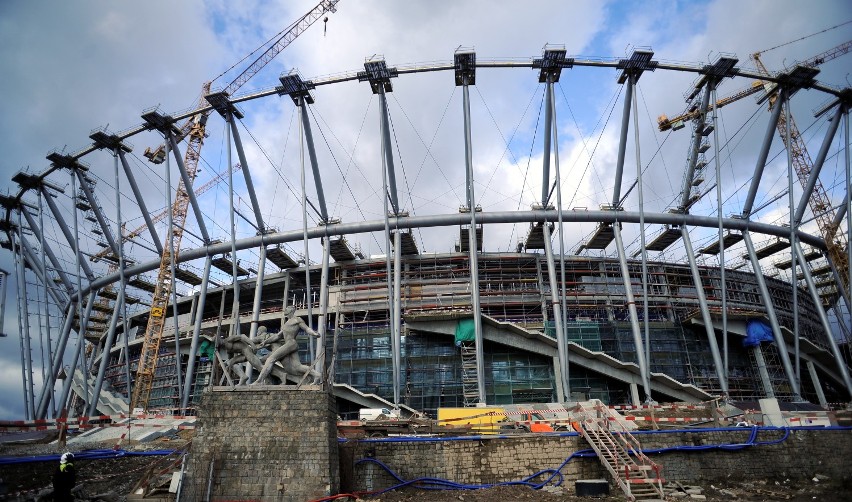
[(619, 452), (108, 402)]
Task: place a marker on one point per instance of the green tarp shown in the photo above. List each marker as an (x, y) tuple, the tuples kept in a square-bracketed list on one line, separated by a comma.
[(465, 331)]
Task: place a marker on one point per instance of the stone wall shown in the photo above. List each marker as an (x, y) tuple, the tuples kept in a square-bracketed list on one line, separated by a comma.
[(269, 443), (803, 453)]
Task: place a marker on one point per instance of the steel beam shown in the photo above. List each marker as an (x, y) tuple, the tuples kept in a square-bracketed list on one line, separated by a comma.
[(705, 312), (817, 165), (312, 155), (34, 228), (187, 184), (313, 347), (793, 224), (37, 268), (548, 129), (764, 153), (396, 319), (258, 293), (246, 173), (122, 279), (48, 389), (171, 243), (693, 149), (561, 229), (816, 383), (72, 241), (720, 213), (96, 209), (387, 152), (622, 144), (561, 342), (108, 343), (762, 372), (24, 328), (773, 318), (140, 201), (78, 351), (832, 343), (322, 324)]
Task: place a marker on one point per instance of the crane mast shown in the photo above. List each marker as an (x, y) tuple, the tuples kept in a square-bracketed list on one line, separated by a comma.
[(819, 201), (194, 128)]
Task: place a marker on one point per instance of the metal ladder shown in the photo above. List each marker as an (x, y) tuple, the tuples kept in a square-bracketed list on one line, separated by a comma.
[(470, 386), (619, 452)]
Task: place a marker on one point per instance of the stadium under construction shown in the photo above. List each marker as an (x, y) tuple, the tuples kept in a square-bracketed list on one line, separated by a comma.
[(754, 309)]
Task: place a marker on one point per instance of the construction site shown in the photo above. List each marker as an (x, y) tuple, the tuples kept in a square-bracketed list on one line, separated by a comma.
[(395, 348)]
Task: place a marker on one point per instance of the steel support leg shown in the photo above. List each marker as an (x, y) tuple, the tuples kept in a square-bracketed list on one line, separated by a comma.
[(78, 351), (722, 271), (817, 385), (622, 143), (473, 246), (110, 340), (773, 319), (36, 229), (322, 325), (196, 332), (705, 312), (140, 201), (561, 343), (764, 154), (58, 356), (397, 313), (826, 326), (693, 149), (634, 316), (258, 216), (762, 372), (72, 241), (187, 185), (24, 326), (258, 292)]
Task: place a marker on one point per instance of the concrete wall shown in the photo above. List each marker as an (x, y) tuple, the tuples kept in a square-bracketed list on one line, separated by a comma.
[(269, 443), (803, 454)]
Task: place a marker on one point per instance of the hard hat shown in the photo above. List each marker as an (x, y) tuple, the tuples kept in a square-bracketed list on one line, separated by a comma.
[(66, 457)]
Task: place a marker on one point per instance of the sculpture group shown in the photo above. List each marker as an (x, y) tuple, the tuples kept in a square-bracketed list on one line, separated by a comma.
[(282, 359)]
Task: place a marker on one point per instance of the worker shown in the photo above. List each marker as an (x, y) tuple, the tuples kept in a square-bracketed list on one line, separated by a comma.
[(64, 478)]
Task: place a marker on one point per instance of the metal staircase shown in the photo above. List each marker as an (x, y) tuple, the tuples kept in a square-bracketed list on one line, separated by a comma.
[(470, 387), (619, 451)]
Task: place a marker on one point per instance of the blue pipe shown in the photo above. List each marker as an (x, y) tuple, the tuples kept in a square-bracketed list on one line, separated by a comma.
[(85, 455)]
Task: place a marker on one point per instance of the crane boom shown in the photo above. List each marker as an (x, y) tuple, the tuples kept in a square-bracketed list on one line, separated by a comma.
[(676, 123), (194, 128)]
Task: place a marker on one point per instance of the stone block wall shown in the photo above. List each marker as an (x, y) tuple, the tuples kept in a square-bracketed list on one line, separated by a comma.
[(803, 453), (265, 443)]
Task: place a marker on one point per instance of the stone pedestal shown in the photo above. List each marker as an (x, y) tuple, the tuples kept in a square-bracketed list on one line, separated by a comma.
[(270, 443)]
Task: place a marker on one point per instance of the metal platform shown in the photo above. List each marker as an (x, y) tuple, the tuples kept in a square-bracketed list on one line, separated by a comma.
[(464, 239), (409, 246), (187, 276), (339, 249), (817, 272), (603, 236), (225, 264), (280, 258), (811, 255), (775, 245), (142, 284), (666, 238), (535, 237), (728, 240)]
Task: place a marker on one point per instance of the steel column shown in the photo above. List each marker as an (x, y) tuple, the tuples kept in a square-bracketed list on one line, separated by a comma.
[(622, 145), (246, 174), (171, 243), (634, 316), (816, 383), (57, 215), (561, 342), (397, 314), (322, 324), (705, 312), (96, 209), (24, 326), (78, 351), (140, 201), (48, 389), (385, 171), (388, 153), (108, 343), (122, 279), (548, 129), (764, 153), (36, 229), (794, 221), (312, 155), (561, 230), (818, 163), (26, 251), (763, 373), (84, 320), (313, 347), (770, 312), (832, 343), (472, 242), (696, 142), (720, 214), (187, 184), (644, 252), (258, 292), (235, 304), (196, 331)]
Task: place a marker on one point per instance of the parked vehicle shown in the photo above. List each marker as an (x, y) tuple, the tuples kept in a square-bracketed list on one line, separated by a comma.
[(366, 414)]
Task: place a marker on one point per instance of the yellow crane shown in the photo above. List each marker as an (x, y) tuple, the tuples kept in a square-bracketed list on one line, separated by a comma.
[(194, 129)]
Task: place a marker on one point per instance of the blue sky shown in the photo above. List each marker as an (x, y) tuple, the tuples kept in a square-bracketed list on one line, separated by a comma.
[(71, 67)]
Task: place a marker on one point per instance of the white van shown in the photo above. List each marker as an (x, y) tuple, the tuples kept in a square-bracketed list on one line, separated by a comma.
[(366, 414)]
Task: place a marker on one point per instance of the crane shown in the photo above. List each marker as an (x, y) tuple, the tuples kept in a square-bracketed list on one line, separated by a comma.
[(676, 123), (195, 129)]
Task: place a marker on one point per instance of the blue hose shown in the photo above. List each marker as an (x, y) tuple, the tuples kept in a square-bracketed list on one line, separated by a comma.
[(427, 483), (85, 455)]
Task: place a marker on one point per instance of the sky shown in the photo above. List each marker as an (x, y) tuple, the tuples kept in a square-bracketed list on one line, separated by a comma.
[(71, 67)]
